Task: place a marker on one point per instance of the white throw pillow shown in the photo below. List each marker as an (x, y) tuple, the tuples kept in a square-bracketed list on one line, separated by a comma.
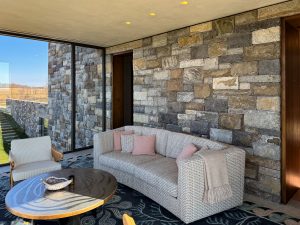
[(127, 142)]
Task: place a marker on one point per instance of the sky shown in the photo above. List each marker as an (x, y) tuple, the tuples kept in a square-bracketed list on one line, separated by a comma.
[(23, 61)]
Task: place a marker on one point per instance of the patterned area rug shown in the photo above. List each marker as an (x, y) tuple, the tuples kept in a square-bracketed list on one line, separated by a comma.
[(145, 211)]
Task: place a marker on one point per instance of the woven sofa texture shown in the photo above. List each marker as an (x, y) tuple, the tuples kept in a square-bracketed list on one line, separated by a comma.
[(178, 188)]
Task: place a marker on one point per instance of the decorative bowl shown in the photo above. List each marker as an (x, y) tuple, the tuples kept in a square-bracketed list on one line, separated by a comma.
[(56, 183)]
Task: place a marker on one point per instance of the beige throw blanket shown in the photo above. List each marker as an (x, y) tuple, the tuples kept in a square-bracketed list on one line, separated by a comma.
[(216, 182)]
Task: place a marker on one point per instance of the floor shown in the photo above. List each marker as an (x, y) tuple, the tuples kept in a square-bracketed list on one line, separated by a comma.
[(295, 201), (292, 208)]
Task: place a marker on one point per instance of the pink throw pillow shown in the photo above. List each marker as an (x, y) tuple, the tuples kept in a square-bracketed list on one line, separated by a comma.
[(117, 138), (144, 145), (187, 152)]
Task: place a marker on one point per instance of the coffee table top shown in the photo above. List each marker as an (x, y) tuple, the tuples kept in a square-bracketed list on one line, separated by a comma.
[(92, 188)]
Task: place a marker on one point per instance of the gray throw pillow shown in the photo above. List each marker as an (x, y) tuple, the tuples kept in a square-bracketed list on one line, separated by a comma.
[(127, 142)]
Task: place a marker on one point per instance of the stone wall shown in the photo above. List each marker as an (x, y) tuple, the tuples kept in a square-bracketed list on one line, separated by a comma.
[(221, 80), (59, 98), (88, 95), (27, 114)]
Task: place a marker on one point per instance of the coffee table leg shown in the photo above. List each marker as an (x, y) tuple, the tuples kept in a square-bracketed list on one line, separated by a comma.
[(74, 220)]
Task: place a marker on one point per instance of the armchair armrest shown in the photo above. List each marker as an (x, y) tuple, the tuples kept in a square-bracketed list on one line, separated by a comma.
[(57, 156), (11, 161), (12, 165)]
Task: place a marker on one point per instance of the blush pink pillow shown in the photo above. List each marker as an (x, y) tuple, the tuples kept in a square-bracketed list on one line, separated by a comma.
[(144, 145), (187, 152), (117, 138)]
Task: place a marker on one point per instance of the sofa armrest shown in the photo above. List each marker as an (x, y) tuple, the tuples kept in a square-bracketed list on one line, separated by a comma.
[(103, 143), (191, 182)]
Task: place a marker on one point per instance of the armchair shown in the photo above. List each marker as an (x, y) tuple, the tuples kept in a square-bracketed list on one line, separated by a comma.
[(32, 156)]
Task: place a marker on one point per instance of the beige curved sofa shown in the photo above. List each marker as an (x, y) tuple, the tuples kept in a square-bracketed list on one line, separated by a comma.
[(177, 188)]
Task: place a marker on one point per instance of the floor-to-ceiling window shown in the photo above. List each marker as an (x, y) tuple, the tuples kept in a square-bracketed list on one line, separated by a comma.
[(45, 89), (88, 95), (23, 90)]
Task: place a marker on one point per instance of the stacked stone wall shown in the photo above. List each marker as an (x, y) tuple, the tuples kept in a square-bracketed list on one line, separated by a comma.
[(59, 97), (88, 95), (221, 80), (28, 114)]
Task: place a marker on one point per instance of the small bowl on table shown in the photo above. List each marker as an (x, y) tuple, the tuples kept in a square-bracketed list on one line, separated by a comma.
[(56, 183)]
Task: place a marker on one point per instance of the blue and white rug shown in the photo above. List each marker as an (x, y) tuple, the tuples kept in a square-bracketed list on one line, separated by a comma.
[(145, 211)]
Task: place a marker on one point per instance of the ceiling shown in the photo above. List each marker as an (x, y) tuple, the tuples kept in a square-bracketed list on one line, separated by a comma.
[(102, 23)]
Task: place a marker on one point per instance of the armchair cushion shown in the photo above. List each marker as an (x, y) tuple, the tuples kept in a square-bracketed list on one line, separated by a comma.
[(31, 150), (28, 170)]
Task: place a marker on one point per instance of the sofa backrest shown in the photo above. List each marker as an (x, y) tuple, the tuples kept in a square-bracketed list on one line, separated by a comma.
[(170, 144), (31, 150), (161, 136), (177, 141)]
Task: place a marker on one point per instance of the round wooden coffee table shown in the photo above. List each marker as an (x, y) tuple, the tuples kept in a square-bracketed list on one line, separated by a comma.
[(91, 189)]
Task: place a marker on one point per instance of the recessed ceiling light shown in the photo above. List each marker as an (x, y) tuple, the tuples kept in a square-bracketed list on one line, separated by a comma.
[(152, 14), (184, 2), (127, 22)]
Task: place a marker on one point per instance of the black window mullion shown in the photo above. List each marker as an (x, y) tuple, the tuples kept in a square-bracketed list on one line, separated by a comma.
[(73, 96), (103, 89)]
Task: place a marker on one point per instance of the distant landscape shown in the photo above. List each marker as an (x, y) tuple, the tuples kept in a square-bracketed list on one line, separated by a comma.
[(22, 92)]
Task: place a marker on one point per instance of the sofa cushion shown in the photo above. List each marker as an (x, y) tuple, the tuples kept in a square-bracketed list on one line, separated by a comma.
[(161, 136), (29, 170), (161, 173), (125, 161), (177, 141), (117, 138), (187, 152), (127, 142), (144, 145)]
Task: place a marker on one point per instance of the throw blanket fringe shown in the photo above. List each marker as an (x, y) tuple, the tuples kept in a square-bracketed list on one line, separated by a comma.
[(218, 194), (216, 181)]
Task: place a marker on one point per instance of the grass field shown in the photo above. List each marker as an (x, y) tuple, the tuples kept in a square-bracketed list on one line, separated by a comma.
[(3, 153), (5, 144), (36, 94)]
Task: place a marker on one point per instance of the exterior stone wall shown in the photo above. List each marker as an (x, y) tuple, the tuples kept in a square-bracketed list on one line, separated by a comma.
[(88, 95), (221, 80), (27, 114), (59, 97)]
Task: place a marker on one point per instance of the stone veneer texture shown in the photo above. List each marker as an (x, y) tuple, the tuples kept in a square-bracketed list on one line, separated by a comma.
[(59, 98), (27, 114), (88, 95), (221, 80)]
